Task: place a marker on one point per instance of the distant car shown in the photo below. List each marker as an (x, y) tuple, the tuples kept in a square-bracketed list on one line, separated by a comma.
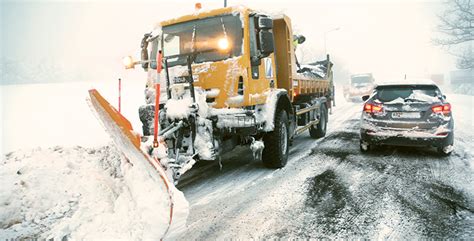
[(360, 85), (407, 113)]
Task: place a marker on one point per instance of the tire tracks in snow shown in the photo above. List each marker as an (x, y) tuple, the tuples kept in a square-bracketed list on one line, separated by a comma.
[(393, 192), (248, 187), (330, 190)]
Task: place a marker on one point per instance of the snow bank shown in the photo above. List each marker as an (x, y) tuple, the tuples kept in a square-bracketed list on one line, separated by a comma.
[(81, 193)]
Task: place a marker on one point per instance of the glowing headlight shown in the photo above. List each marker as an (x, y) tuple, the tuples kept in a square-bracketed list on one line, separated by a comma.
[(128, 62), (223, 43)]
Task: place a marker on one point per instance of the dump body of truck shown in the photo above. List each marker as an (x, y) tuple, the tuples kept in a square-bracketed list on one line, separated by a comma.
[(231, 79)]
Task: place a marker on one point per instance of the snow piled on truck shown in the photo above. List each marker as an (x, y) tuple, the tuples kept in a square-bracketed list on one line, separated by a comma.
[(266, 112), (180, 106), (80, 193)]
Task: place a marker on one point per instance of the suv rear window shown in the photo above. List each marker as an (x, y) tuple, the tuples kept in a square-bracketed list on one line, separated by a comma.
[(423, 93)]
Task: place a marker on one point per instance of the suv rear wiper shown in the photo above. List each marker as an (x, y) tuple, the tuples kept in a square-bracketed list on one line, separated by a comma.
[(413, 100)]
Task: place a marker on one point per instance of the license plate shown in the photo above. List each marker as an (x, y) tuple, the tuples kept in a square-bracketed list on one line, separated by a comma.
[(406, 115)]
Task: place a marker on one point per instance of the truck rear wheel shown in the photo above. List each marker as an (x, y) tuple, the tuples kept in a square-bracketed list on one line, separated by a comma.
[(275, 153), (319, 130)]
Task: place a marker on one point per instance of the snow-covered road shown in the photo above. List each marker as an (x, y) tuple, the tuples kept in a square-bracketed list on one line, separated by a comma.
[(327, 190), (330, 190)]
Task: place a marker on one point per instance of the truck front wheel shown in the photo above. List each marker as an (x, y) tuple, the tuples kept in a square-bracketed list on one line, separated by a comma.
[(275, 153)]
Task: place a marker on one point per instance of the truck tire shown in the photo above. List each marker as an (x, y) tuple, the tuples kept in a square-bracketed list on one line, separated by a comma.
[(275, 153), (320, 129)]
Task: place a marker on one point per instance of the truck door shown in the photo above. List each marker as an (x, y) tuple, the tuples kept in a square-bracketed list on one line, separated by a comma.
[(261, 70)]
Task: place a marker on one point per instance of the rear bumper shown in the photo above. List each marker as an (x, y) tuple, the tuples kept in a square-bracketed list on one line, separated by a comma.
[(406, 138)]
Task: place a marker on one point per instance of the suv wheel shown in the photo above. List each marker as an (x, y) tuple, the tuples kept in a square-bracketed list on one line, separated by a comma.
[(364, 146), (445, 150)]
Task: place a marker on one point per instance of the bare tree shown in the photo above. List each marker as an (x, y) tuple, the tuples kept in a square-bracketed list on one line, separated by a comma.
[(457, 26)]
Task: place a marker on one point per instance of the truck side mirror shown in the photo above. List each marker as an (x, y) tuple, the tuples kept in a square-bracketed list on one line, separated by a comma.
[(299, 38), (265, 23), (255, 61), (144, 52), (144, 58), (365, 97), (266, 42)]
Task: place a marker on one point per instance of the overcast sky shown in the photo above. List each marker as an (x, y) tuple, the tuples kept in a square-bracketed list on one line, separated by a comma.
[(389, 38)]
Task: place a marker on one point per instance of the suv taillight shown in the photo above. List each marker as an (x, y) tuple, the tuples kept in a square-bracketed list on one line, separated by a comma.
[(373, 108), (444, 109)]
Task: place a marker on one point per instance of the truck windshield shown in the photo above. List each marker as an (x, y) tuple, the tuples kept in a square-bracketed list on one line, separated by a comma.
[(203, 37), (360, 80)]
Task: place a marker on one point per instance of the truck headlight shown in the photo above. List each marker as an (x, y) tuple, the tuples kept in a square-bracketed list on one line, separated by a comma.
[(128, 62), (223, 43)]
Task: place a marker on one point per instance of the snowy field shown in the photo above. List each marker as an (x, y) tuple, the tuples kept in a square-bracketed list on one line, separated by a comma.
[(46, 115), (67, 181)]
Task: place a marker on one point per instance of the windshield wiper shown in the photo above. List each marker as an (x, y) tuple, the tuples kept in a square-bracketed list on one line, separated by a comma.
[(191, 53), (177, 55)]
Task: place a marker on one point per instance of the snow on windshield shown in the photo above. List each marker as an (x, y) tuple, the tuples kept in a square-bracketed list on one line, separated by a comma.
[(402, 94), (423, 96)]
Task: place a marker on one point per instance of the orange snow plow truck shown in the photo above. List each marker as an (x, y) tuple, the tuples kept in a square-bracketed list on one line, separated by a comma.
[(230, 77)]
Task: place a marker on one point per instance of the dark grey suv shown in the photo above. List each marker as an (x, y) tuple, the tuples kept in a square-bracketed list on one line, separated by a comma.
[(407, 113)]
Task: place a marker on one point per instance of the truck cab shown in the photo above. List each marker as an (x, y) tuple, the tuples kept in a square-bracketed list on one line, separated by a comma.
[(231, 52), (360, 85), (231, 79)]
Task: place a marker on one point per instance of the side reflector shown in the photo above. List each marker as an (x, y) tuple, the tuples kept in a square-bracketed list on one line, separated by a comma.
[(159, 62)]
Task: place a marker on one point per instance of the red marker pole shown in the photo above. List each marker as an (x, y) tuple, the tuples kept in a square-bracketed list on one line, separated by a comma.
[(120, 94), (159, 61), (157, 110)]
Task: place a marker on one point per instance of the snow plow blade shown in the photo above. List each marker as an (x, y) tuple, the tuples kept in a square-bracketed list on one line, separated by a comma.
[(128, 142), (101, 105)]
